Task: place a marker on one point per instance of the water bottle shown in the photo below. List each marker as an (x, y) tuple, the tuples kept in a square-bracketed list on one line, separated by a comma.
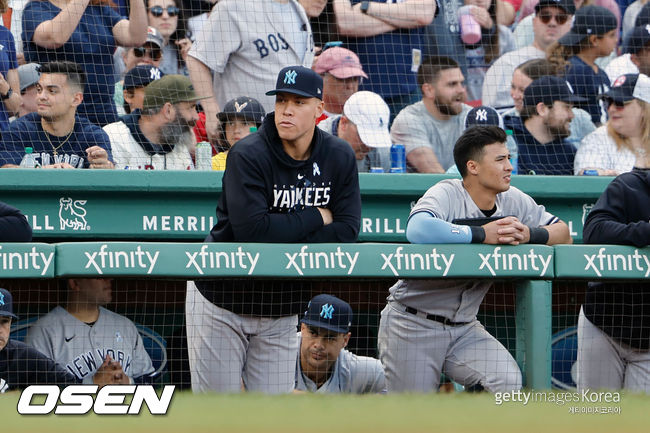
[(203, 156), (511, 144), (29, 161), (590, 173), (397, 158)]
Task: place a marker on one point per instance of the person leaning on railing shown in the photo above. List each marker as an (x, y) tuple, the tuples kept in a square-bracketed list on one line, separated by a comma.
[(614, 321)]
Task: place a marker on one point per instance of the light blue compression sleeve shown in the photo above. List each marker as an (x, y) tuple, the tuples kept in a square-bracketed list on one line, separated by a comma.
[(424, 228)]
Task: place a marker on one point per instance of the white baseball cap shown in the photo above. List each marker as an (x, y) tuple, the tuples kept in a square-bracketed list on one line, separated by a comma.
[(370, 114)]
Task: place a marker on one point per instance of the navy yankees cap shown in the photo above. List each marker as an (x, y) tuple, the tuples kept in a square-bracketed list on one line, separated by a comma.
[(636, 40), (628, 87), (483, 116), (141, 75), (589, 20), (6, 304), (243, 107), (328, 312), (299, 81), (548, 89), (568, 5)]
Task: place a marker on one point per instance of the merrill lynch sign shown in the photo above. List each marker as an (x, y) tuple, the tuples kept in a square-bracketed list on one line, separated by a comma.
[(296, 260)]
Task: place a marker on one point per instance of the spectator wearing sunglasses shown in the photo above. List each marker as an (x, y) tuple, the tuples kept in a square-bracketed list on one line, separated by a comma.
[(524, 30), (87, 33), (614, 148), (166, 17), (593, 35), (149, 54), (552, 20)]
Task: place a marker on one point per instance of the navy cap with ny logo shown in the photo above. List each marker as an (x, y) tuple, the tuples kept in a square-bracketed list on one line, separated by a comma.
[(298, 80), (328, 312), (6, 304)]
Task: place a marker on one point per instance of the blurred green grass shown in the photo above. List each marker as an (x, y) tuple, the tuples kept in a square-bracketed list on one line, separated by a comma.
[(412, 413)]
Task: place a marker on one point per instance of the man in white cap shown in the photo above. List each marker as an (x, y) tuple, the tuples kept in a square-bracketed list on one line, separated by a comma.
[(364, 124), (342, 73)]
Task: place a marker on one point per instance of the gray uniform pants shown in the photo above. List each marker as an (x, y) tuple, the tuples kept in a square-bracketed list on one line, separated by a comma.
[(226, 349), (605, 363), (416, 350)]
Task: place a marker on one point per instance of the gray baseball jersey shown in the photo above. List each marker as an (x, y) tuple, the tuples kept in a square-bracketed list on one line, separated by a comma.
[(350, 374), (415, 127), (459, 300), (247, 42), (82, 348)]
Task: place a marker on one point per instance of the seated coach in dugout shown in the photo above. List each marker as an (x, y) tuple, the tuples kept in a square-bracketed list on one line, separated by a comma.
[(323, 364), (288, 183), (430, 327)]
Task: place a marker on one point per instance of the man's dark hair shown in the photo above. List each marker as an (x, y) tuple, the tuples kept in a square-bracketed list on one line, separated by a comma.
[(528, 111), (75, 73), (432, 66), (469, 146)]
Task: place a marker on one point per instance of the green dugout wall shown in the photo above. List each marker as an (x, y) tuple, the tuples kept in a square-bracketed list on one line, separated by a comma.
[(532, 269), (180, 206)]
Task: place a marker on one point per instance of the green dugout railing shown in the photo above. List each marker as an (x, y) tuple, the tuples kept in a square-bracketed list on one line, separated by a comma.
[(180, 206), (532, 268)]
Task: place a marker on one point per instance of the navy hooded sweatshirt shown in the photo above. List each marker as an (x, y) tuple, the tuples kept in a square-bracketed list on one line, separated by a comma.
[(270, 197)]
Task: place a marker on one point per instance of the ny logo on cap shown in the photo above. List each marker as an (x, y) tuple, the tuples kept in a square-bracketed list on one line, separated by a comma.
[(481, 115), (326, 311), (647, 28), (154, 73), (290, 77), (2, 299), (238, 107)]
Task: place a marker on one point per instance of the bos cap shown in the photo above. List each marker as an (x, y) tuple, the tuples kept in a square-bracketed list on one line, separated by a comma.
[(370, 114), (328, 312), (340, 62), (28, 75), (589, 20), (628, 87), (483, 116), (141, 76), (6, 304), (567, 5), (243, 107), (170, 88), (548, 89), (298, 80)]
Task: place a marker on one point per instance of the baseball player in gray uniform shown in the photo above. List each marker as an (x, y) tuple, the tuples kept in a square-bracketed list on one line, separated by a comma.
[(244, 44), (91, 342), (429, 327), (323, 364)]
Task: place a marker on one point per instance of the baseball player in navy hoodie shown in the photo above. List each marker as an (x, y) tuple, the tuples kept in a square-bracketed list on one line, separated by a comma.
[(289, 182)]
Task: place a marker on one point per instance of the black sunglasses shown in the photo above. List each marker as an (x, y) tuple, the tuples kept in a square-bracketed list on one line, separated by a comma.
[(157, 11), (546, 16), (154, 53), (618, 104)]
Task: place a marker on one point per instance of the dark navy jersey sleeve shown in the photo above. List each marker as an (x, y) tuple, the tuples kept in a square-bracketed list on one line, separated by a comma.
[(614, 219), (22, 365), (13, 225)]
